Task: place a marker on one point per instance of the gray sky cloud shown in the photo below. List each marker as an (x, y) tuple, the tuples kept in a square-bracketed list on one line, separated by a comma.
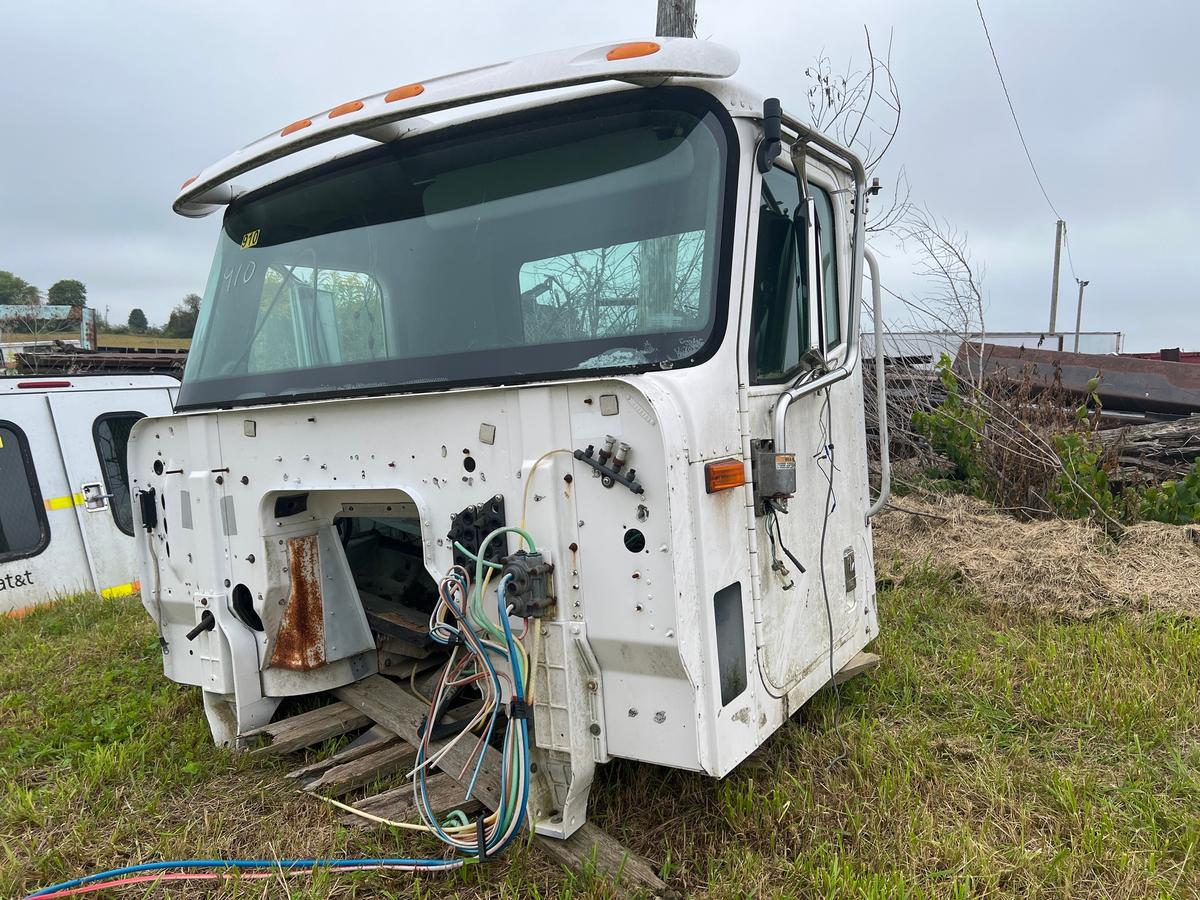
[(110, 106)]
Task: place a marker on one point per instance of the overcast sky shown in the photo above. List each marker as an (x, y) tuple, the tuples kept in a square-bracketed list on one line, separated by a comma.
[(109, 106)]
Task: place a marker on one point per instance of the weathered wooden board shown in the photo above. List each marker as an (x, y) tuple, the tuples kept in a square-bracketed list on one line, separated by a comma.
[(308, 728), (376, 739), (860, 664), (341, 779), (397, 710), (1158, 450)]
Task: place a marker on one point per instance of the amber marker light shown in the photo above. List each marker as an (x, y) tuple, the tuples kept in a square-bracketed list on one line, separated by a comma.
[(352, 106), (724, 474), (295, 126), (633, 50), (403, 93)]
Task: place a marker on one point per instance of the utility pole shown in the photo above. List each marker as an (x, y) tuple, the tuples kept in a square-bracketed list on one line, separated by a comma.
[(1079, 312), (676, 18), (1058, 238), (658, 258)]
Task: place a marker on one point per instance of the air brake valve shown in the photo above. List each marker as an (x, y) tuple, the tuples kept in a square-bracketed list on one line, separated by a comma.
[(609, 462), (528, 590)]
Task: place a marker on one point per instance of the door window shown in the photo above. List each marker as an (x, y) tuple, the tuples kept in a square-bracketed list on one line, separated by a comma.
[(24, 530), (781, 327), (779, 318), (111, 435), (829, 283)]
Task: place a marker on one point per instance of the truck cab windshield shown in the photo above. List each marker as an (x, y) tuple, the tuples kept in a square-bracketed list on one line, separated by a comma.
[(584, 238)]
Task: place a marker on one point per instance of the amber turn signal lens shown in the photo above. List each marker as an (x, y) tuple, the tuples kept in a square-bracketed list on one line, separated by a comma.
[(186, 183), (403, 93), (633, 50), (295, 126), (352, 106), (724, 474)]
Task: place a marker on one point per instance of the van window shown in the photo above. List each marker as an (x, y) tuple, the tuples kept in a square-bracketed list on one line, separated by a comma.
[(111, 435), (24, 530), (781, 330)]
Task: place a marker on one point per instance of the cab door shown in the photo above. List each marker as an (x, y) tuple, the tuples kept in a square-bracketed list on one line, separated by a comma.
[(823, 526), (93, 428)]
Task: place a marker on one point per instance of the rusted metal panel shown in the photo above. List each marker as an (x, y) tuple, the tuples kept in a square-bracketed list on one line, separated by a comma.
[(1125, 383), (66, 358), (1170, 354), (300, 643)]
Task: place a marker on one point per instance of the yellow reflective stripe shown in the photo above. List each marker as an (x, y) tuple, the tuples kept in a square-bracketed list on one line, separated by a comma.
[(121, 590), (65, 502)]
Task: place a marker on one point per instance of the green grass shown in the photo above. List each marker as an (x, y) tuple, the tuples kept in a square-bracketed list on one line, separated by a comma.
[(992, 754)]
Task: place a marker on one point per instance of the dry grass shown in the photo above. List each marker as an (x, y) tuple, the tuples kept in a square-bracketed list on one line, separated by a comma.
[(24, 337), (1054, 565)]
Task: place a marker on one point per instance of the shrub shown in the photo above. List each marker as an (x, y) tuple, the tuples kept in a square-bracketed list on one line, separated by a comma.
[(1027, 449), (955, 427), (1174, 502)]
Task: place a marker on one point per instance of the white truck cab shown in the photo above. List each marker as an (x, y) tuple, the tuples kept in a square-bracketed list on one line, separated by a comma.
[(625, 320), (66, 524)]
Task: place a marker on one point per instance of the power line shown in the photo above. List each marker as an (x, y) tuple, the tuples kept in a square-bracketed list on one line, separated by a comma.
[(1012, 110), (1067, 244)]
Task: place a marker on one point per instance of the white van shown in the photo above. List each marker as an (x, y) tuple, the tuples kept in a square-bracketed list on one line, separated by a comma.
[(65, 519)]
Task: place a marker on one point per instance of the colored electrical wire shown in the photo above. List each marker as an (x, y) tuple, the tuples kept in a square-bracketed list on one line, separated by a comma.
[(234, 865), (201, 876), (450, 625)]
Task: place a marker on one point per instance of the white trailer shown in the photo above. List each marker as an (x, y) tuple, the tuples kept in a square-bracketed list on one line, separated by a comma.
[(66, 524), (625, 317)]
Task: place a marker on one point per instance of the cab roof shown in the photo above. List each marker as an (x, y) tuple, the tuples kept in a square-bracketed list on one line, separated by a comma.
[(378, 116)]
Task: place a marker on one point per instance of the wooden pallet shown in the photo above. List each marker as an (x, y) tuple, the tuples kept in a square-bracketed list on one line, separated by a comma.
[(387, 748)]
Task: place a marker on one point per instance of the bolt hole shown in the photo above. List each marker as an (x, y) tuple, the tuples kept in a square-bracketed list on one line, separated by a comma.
[(158, 467), (635, 541), (469, 464)]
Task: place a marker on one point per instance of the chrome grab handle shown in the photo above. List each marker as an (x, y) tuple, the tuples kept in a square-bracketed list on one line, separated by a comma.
[(885, 455)]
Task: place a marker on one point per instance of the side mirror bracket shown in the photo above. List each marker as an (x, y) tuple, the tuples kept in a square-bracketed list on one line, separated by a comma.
[(772, 143)]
